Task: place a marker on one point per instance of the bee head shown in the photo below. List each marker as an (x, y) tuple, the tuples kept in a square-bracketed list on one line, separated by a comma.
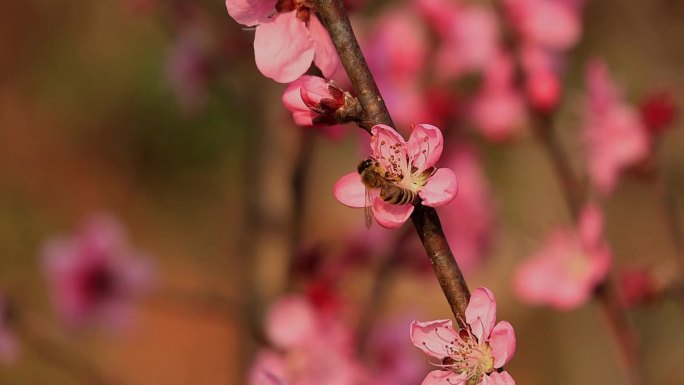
[(363, 166)]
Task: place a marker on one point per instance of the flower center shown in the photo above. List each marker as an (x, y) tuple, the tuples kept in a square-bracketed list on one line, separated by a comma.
[(577, 265), (467, 355), (302, 7)]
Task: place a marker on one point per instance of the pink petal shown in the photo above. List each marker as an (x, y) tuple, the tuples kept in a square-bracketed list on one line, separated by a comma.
[(250, 12), (496, 378), (444, 377), (292, 98), (382, 138), (290, 322), (481, 313), (502, 341), (425, 145), (591, 225), (560, 274), (325, 58), (283, 48), (390, 216), (553, 25), (432, 337), (440, 189), (350, 191), (9, 346), (304, 118)]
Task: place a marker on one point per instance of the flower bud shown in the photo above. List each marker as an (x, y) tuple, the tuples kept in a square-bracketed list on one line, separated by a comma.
[(658, 112), (321, 96), (543, 90)]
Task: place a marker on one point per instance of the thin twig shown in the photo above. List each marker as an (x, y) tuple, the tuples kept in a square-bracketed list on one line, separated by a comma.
[(604, 293), (668, 200), (572, 189), (302, 164), (425, 219), (383, 279)]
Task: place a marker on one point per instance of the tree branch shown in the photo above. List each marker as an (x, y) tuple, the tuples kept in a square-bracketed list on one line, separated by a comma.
[(425, 219), (335, 19)]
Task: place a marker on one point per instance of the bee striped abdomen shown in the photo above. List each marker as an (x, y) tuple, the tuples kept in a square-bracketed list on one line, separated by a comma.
[(397, 195)]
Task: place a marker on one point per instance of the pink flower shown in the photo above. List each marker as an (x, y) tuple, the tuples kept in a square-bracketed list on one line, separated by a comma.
[(548, 23), (407, 165), (94, 276), (9, 345), (564, 273), (616, 138), (471, 42), (498, 110), (392, 361), (396, 52), (313, 348), (288, 37), (469, 356)]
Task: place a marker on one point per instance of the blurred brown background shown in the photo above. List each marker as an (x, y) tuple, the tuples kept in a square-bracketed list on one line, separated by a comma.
[(88, 121)]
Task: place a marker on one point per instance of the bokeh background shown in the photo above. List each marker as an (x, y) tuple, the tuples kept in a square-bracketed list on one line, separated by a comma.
[(94, 116)]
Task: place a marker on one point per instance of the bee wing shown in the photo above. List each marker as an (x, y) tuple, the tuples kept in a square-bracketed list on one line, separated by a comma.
[(368, 214)]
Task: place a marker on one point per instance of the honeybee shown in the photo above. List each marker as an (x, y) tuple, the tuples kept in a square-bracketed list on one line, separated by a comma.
[(374, 176)]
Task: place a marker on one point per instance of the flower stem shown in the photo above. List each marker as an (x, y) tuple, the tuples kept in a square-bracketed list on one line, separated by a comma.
[(604, 293), (383, 278), (572, 189), (302, 165), (425, 219)]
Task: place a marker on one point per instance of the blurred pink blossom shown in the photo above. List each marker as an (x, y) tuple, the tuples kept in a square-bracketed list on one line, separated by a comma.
[(187, 70), (543, 84), (472, 41), (396, 51), (636, 286), (94, 276), (565, 272), (468, 221), (310, 348), (288, 37), (469, 356), (552, 24), (498, 111), (391, 359), (9, 345), (615, 135), (411, 164)]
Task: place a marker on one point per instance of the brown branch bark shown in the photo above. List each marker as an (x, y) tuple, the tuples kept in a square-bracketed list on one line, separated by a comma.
[(335, 19), (570, 185), (425, 219)]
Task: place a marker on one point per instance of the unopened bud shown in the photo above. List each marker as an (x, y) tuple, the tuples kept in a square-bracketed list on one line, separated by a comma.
[(543, 90), (658, 112), (322, 96)]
